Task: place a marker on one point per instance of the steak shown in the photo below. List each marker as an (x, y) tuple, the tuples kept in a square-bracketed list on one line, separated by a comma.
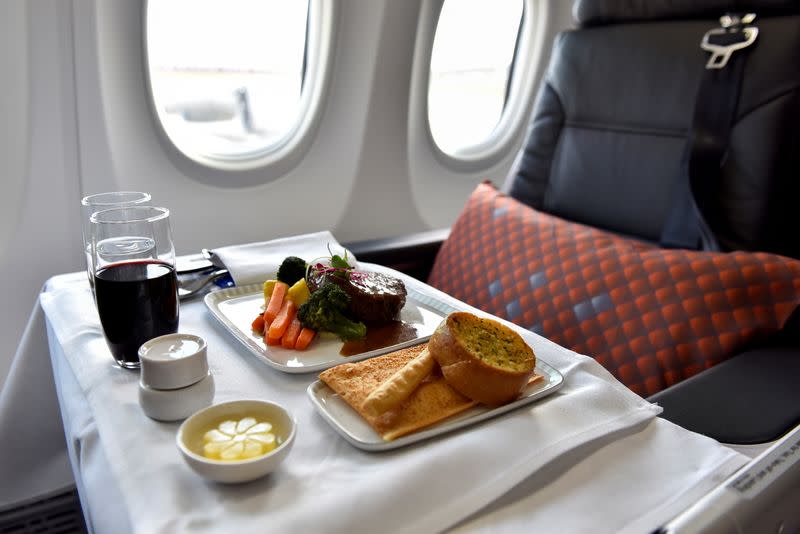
[(374, 298)]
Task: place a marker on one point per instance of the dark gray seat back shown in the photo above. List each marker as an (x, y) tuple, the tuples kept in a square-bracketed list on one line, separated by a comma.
[(610, 124)]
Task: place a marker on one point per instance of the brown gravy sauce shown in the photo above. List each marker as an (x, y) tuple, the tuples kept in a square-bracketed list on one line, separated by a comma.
[(380, 336)]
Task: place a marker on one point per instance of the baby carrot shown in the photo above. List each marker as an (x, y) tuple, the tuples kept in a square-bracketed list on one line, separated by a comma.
[(275, 302), (281, 322), (258, 324), (290, 336), (305, 337)]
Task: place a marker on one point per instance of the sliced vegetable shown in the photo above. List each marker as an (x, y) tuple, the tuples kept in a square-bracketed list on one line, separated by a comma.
[(281, 322), (304, 339), (299, 292), (289, 338), (275, 302), (258, 324), (269, 285)]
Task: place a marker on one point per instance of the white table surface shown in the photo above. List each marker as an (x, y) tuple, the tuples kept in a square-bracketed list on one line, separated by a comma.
[(630, 480)]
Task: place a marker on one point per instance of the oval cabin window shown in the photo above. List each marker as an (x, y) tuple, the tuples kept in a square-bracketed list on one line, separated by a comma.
[(471, 64), (227, 75)]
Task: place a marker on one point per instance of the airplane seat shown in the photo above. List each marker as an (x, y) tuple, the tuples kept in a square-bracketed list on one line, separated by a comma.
[(608, 139), (648, 219)]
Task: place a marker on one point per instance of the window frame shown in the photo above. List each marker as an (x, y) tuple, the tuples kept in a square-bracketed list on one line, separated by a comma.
[(279, 158), (519, 92)]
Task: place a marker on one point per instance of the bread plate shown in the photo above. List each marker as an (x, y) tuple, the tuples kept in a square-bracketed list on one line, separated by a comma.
[(236, 307), (353, 428)]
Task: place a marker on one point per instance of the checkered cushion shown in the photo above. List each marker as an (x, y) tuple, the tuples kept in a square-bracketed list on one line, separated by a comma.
[(652, 316)]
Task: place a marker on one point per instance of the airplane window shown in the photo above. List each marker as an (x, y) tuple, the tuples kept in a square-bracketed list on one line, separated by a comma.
[(227, 75), (473, 52)]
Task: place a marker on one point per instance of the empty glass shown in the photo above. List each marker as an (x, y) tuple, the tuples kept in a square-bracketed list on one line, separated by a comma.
[(104, 201), (136, 288)]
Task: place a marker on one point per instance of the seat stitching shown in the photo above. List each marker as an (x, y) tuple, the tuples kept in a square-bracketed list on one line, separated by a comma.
[(556, 148), (658, 132)]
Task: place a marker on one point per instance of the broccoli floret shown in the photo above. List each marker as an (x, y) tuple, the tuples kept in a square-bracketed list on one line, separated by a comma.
[(291, 270), (324, 311)]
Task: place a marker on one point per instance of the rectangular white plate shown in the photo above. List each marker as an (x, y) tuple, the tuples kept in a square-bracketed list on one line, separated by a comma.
[(236, 307), (352, 427)]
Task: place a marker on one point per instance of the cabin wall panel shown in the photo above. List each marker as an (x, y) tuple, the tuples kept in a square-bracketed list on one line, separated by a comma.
[(382, 193), (14, 146), (40, 198), (14, 131), (440, 187), (311, 196)]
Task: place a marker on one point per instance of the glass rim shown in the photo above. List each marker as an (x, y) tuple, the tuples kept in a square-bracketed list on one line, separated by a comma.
[(91, 200), (99, 217)]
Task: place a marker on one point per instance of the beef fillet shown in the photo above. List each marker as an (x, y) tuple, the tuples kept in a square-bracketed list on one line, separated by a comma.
[(374, 298)]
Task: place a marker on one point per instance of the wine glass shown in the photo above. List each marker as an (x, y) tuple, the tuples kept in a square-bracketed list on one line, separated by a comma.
[(136, 288), (103, 201)]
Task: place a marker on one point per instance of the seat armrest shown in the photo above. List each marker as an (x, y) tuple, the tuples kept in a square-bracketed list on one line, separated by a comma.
[(412, 254), (750, 398)]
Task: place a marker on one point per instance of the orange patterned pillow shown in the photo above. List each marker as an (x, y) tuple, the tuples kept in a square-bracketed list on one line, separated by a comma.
[(652, 316)]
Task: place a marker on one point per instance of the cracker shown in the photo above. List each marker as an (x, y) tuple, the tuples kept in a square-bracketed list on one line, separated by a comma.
[(432, 401)]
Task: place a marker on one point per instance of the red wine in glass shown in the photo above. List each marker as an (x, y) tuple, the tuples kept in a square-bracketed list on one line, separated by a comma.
[(137, 301)]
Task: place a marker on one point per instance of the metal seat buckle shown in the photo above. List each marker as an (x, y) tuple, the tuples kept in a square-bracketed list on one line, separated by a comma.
[(731, 24)]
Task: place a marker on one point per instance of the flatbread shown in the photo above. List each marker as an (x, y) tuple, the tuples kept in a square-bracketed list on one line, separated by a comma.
[(400, 385), (433, 401)]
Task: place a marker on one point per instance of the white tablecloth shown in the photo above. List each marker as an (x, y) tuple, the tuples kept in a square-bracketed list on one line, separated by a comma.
[(35, 461), (592, 457)]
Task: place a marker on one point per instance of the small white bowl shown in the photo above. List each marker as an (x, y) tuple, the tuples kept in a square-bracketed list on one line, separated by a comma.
[(176, 404), (190, 440), (173, 361)]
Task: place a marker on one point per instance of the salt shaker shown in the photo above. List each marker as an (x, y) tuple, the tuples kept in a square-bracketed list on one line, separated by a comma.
[(175, 381)]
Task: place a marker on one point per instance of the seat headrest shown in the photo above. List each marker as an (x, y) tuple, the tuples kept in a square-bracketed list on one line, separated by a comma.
[(598, 12)]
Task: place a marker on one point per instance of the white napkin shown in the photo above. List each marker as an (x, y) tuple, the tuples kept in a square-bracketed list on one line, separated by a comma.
[(326, 483), (255, 262)]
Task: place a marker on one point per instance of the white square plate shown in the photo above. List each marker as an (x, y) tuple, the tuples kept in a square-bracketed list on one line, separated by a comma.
[(236, 307), (352, 427)]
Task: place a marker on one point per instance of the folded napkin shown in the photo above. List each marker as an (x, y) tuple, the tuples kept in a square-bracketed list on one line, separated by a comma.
[(255, 262)]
